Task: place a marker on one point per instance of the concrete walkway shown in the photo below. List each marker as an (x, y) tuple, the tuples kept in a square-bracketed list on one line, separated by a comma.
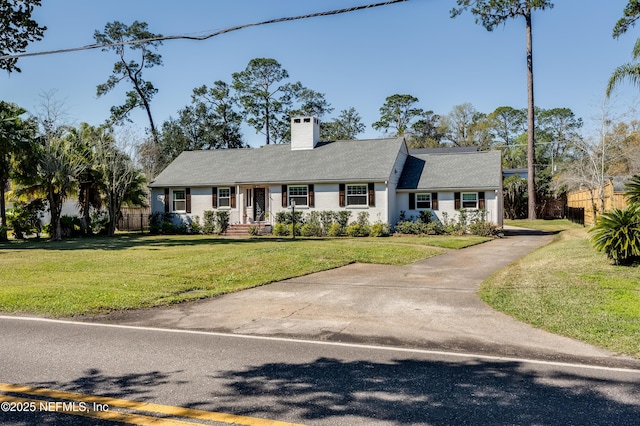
[(431, 304)]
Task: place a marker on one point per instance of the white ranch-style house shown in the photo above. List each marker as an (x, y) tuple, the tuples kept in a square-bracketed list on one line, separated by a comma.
[(380, 176)]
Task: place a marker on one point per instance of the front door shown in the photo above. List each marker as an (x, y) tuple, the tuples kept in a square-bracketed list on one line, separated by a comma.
[(259, 204)]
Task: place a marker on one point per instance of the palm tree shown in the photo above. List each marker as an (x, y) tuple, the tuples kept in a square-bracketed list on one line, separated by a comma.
[(492, 13), (630, 71), (15, 137), (633, 190), (59, 166), (90, 181)]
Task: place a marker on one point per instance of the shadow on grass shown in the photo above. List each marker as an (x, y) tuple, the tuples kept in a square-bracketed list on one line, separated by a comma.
[(123, 242), (516, 232), (403, 391)]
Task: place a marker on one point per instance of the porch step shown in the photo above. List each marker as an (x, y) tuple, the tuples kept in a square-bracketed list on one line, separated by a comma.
[(238, 230)]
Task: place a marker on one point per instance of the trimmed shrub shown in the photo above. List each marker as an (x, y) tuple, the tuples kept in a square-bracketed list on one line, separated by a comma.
[(335, 230), (407, 227), (311, 229), (280, 230), (380, 229), (342, 218), (209, 225), (353, 230), (194, 225), (222, 221), (483, 229), (326, 219)]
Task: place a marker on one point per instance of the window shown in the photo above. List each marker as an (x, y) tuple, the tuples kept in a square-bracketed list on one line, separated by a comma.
[(469, 200), (356, 195), (249, 198), (224, 197), (299, 194), (179, 200), (423, 201)]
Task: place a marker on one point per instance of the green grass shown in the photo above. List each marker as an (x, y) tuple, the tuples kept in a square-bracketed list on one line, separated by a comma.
[(568, 288), (554, 226), (443, 241), (97, 275)]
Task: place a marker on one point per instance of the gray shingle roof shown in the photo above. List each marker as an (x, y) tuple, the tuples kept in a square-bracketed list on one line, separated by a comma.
[(359, 160), (466, 170)]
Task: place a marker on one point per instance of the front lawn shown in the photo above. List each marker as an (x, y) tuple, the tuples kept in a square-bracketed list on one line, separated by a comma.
[(570, 289), (97, 275)]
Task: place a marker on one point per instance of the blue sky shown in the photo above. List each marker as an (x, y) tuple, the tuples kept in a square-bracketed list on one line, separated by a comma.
[(356, 59)]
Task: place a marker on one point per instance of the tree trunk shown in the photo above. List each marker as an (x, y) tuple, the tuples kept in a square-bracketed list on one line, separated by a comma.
[(55, 209), (267, 123), (3, 213), (531, 148)]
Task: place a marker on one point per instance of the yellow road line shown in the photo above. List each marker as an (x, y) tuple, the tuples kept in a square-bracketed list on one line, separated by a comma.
[(110, 415), (141, 406)]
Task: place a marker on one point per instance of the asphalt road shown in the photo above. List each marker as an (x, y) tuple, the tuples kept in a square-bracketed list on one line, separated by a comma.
[(315, 383)]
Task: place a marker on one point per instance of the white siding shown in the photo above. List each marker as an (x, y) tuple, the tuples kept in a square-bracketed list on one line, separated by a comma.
[(446, 204), (326, 197), (393, 210)]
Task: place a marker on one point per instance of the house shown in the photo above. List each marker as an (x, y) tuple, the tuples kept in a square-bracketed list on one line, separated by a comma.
[(379, 176)]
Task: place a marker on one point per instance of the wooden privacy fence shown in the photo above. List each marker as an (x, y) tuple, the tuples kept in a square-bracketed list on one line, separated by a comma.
[(586, 199), (134, 219)]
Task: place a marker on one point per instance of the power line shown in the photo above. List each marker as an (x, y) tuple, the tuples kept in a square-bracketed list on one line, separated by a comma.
[(206, 36)]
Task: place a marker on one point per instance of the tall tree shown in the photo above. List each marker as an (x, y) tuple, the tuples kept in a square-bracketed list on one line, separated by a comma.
[(427, 132), (397, 113), (219, 106), (122, 181), (630, 15), (17, 30), (466, 126), (264, 95), (60, 163), (347, 126), (143, 91), (16, 140), (507, 126), (210, 122), (559, 129), (90, 181), (491, 13), (595, 156)]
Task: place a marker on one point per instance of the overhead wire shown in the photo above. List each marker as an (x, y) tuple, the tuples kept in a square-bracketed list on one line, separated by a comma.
[(205, 36)]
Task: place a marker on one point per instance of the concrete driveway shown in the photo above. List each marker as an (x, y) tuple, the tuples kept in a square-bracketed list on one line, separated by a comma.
[(431, 304)]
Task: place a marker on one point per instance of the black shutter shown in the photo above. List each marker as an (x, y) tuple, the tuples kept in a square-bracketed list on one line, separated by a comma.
[(312, 200), (341, 196), (214, 197), (412, 201), (434, 201), (284, 196), (456, 197), (187, 192), (166, 200), (481, 202), (232, 191), (372, 194)]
